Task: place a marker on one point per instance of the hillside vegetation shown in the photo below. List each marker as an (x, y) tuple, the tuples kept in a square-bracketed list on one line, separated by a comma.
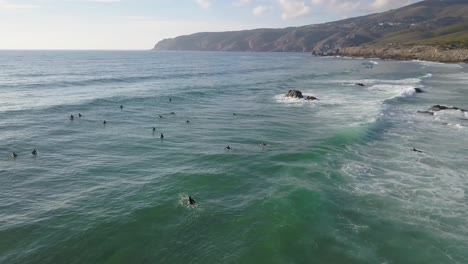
[(435, 23)]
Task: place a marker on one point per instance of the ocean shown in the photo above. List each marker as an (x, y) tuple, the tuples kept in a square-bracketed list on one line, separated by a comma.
[(328, 181)]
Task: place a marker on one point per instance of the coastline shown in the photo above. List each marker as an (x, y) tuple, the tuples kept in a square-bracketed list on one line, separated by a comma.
[(424, 53)]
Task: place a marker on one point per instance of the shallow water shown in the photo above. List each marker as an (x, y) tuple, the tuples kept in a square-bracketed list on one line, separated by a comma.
[(336, 183)]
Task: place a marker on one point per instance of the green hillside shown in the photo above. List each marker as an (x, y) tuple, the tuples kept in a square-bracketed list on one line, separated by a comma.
[(441, 23)]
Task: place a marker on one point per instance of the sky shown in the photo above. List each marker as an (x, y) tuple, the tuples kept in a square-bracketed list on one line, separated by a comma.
[(139, 24)]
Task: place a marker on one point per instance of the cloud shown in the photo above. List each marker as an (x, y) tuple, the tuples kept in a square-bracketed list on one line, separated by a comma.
[(261, 10), (350, 7), (205, 4), (382, 5), (242, 2), (9, 6), (293, 8)]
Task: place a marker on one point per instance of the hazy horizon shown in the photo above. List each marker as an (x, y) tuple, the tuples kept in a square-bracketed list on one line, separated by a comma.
[(138, 25)]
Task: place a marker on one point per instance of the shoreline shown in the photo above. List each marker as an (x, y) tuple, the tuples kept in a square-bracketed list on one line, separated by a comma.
[(422, 53)]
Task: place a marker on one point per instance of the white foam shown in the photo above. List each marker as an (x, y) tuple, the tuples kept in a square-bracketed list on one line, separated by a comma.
[(439, 64), (429, 75), (184, 201), (407, 92), (375, 81), (281, 98), (395, 90)]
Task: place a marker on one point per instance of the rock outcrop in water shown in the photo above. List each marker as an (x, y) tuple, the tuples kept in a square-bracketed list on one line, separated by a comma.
[(294, 94), (298, 94), (426, 112), (436, 108), (311, 98)]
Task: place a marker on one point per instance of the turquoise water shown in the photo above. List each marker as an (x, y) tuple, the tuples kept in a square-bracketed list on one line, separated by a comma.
[(336, 183)]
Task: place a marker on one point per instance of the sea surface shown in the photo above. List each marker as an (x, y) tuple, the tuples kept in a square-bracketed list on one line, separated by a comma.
[(336, 180)]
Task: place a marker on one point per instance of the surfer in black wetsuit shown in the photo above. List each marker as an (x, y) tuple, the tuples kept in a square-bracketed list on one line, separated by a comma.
[(162, 136), (191, 201), (79, 115), (187, 121), (154, 129), (228, 148), (14, 155), (71, 117), (160, 116), (104, 123), (34, 152), (121, 107), (415, 150)]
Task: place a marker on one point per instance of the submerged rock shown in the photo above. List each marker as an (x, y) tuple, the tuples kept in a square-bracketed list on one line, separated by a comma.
[(426, 112), (311, 98), (443, 107)]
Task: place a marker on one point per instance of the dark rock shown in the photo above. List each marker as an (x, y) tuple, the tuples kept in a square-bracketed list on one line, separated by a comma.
[(416, 150), (311, 98), (426, 112), (298, 94), (360, 84), (294, 94), (443, 107), (418, 90)]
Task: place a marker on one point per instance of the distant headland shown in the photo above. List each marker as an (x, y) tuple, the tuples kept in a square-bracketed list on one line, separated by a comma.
[(433, 30)]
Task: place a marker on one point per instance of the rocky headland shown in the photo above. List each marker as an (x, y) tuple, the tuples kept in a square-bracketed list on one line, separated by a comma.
[(426, 53)]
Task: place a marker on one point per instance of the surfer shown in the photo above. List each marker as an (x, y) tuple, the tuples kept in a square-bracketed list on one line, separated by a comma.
[(14, 155), (154, 129), (34, 152), (79, 115), (71, 117), (187, 121), (191, 200), (121, 107), (228, 148), (263, 144), (162, 136), (415, 150), (234, 114), (104, 123), (160, 116), (170, 99)]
